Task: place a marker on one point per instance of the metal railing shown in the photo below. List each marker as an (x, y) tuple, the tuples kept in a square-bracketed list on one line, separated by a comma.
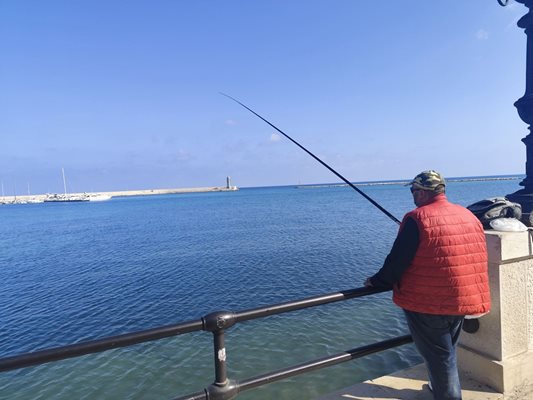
[(217, 323)]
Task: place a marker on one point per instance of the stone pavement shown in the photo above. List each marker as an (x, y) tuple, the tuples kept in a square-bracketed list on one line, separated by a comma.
[(411, 384)]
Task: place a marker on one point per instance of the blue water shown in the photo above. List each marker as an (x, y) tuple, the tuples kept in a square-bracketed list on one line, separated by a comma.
[(82, 271)]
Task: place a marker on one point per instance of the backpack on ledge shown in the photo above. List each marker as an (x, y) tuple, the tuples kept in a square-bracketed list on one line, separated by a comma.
[(495, 207)]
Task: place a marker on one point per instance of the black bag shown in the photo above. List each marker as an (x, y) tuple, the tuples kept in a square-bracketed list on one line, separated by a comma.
[(495, 207)]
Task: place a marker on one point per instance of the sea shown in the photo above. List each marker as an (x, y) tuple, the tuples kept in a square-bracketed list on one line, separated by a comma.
[(73, 272)]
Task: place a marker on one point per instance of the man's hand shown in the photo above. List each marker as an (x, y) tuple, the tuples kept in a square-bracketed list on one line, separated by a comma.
[(368, 283)]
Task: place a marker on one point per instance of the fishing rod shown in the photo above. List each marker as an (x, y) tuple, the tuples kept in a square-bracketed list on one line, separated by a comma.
[(388, 214)]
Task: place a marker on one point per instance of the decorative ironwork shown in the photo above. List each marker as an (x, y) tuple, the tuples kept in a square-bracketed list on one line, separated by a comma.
[(524, 106)]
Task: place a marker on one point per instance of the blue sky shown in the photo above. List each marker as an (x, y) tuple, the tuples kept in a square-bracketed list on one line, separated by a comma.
[(125, 94)]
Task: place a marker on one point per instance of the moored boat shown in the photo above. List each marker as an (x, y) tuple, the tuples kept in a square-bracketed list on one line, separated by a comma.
[(99, 197), (65, 197)]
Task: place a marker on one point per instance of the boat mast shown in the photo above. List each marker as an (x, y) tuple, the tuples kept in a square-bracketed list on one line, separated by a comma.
[(64, 182)]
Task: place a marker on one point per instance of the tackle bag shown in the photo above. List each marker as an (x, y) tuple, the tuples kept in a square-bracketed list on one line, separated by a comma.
[(495, 207)]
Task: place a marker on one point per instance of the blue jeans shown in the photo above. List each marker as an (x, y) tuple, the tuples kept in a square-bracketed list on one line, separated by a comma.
[(436, 337)]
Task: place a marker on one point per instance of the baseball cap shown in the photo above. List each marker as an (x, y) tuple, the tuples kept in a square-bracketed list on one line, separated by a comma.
[(427, 180)]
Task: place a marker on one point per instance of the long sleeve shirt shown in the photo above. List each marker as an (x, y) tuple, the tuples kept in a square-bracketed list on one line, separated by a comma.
[(400, 257)]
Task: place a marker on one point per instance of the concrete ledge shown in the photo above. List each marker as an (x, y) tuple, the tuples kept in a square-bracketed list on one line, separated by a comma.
[(410, 384), (514, 373), (503, 247)]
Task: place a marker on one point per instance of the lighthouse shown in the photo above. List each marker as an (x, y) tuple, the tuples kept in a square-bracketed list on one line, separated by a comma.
[(228, 184)]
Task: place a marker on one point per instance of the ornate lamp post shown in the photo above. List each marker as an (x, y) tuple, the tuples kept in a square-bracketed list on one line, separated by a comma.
[(524, 105)]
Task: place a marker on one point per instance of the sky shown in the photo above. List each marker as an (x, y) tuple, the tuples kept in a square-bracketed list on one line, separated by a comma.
[(125, 95)]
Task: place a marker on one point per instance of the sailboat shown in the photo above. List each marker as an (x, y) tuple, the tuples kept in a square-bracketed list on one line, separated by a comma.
[(57, 197), (34, 199), (3, 196)]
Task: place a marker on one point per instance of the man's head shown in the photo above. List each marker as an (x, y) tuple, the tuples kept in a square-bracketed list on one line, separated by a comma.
[(427, 185)]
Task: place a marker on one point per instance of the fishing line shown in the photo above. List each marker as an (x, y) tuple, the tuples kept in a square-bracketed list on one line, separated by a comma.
[(388, 214)]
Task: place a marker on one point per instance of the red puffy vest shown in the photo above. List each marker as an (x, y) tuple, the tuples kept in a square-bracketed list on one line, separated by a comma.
[(448, 275)]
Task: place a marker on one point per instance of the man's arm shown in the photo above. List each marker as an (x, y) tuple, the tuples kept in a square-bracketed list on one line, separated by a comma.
[(399, 259)]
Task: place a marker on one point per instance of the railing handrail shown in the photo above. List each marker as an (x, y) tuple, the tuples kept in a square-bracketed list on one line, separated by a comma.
[(96, 346), (217, 323)]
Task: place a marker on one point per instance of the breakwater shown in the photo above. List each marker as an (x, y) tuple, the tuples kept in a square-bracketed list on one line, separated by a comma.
[(39, 198), (148, 192), (406, 182)]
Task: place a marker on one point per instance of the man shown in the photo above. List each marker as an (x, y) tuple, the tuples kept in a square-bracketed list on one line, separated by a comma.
[(437, 268)]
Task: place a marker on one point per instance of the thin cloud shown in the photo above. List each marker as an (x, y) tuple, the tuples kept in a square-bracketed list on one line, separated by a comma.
[(230, 122), (482, 34), (182, 155), (275, 137)]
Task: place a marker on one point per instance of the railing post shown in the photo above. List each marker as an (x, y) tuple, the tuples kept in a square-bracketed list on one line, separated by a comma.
[(223, 388), (221, 375)]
